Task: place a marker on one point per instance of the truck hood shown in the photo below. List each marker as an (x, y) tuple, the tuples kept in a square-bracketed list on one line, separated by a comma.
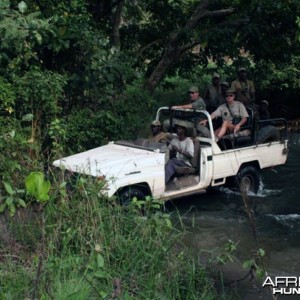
[(112, 161)]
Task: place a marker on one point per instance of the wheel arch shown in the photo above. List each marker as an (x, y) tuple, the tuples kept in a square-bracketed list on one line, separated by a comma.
[(254, 163), (230, 181), (142, 186)]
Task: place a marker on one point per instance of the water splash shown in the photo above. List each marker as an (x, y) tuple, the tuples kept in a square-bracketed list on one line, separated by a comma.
[(291, 221), (261, 193)]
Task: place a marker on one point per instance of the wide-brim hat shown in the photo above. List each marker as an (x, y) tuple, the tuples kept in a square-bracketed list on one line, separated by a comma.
[(230, 91)]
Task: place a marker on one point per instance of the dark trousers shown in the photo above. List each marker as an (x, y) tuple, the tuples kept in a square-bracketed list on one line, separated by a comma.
[(170, 167)]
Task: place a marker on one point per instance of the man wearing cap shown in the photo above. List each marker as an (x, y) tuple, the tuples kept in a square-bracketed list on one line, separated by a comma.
[(233, 113), (221, 99), (196, 101), (184, 148), (158, 136), (212, 91), (264, 111), (245, 91)]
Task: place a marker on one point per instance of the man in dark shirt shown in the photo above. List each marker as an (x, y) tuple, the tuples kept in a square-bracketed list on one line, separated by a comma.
[(245, 91)]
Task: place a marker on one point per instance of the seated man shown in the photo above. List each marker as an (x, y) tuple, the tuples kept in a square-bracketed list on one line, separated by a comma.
[(197, 103), (158, 136), (233, 113), (196, 100), (264, 110), (184, 148)]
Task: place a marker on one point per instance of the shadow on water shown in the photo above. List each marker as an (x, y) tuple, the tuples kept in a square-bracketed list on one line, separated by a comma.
[(219, 216)]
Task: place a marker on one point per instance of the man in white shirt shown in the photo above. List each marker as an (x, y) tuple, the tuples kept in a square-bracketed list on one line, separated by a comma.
[(184, 148)]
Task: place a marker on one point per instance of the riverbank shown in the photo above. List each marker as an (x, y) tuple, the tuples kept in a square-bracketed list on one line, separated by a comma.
[(81, 247)]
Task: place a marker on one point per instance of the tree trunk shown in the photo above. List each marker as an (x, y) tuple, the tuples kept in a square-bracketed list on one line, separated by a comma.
[(116, 25), (169, 57), (173, 50)]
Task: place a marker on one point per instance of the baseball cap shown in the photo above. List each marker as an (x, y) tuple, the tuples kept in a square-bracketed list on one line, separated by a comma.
[(193, 89), (241, 69), (155, 123), (264, 102), (216, 75), (224, 83)]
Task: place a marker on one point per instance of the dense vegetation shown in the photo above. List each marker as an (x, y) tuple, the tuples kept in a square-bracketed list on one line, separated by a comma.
[(83, 247), (75, 74)]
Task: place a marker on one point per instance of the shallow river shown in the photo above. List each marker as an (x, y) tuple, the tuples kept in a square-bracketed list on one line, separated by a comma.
[(214, 218)]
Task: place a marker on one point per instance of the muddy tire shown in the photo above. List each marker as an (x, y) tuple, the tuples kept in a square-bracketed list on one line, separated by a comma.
[(126, 196), (248, 179), (267, 134)]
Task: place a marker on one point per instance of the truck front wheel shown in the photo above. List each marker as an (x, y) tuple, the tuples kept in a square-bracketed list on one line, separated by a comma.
[(126, 196), (248, 179)]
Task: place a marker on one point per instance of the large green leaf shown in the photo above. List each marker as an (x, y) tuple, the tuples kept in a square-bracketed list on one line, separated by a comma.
[(37, 186)]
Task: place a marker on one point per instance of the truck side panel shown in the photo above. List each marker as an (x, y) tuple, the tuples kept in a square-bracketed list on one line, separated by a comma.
[(227, 163)]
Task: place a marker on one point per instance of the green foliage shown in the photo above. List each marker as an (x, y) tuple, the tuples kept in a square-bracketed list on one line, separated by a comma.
[(37, 186), (117, 118), (56, 138), (14, 281), (282, 76), (58, 61), (39, 92), (97, 249), (257, 263), (21, 32), (13, 200), (7, 96), (64, 86), (14, 151)]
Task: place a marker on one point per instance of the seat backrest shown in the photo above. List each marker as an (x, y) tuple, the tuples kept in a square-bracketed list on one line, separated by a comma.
[(191, 132), (246, 135), (195, 159), (249, 123)]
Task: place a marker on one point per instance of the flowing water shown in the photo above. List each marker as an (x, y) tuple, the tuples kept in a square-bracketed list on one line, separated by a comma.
[(214, 218)]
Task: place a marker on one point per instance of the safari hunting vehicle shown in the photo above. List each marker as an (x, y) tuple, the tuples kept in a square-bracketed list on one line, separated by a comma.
[(131, 169)]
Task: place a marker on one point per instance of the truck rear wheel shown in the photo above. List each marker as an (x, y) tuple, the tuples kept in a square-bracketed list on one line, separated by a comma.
[(126, 196), (248, 179)]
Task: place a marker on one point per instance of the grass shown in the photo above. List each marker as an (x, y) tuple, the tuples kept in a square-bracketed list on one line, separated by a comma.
[(85, 247)]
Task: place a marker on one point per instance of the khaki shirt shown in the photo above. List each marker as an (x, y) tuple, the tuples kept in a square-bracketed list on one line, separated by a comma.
[(162, 137), (237, 109), (199, 104), (245, 91)]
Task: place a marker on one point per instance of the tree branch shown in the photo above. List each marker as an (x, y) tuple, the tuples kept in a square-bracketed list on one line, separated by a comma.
[(173, 51)]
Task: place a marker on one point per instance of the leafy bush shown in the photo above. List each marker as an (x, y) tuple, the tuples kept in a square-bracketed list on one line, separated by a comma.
[(121, 117), (7, 97), (93, 248)]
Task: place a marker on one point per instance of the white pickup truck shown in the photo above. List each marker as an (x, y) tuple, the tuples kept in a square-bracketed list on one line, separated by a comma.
[(137, 169)]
